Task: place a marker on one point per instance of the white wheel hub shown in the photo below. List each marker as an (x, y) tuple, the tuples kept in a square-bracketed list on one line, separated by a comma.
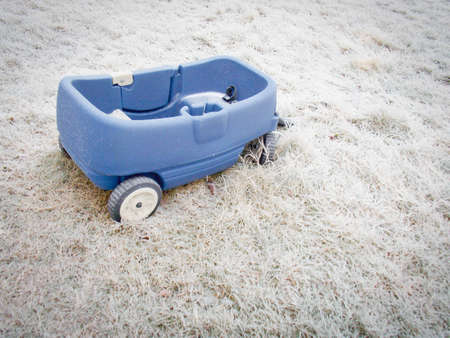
[(139, 204)]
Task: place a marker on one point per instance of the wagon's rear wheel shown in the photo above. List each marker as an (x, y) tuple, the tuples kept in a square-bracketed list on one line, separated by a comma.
[(134, 199), (269, 142), (61, 147)]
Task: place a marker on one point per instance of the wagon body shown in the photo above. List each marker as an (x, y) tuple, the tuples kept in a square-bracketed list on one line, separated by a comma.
[(177, 126)]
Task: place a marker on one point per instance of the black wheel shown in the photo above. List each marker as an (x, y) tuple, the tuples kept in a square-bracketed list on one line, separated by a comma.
[(269, 142), (61, 147), (134, 199)]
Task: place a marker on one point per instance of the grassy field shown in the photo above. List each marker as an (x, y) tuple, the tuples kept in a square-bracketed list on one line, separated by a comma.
[(346, 234)]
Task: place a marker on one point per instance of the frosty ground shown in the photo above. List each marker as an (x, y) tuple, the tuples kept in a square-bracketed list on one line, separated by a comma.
[(347, 233)]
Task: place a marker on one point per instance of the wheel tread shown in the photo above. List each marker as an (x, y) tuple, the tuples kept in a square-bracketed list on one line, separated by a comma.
[(270, 144)]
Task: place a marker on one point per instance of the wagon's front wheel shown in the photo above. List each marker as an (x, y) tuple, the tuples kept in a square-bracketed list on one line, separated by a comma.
[(134, 199)]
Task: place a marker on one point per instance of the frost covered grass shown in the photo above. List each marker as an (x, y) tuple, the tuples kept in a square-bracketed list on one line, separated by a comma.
[(347, 233)]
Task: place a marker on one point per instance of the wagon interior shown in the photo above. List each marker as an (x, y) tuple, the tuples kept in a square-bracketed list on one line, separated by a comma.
[(168, 92)]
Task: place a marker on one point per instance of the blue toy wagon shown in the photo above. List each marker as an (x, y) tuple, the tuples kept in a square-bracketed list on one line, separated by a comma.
[(155, 129)]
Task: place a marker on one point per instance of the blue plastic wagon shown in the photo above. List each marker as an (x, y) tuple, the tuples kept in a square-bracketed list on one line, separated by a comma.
[(155, 129)]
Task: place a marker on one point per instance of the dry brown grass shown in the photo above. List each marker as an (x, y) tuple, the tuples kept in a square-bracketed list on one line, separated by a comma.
[(346, 234)]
